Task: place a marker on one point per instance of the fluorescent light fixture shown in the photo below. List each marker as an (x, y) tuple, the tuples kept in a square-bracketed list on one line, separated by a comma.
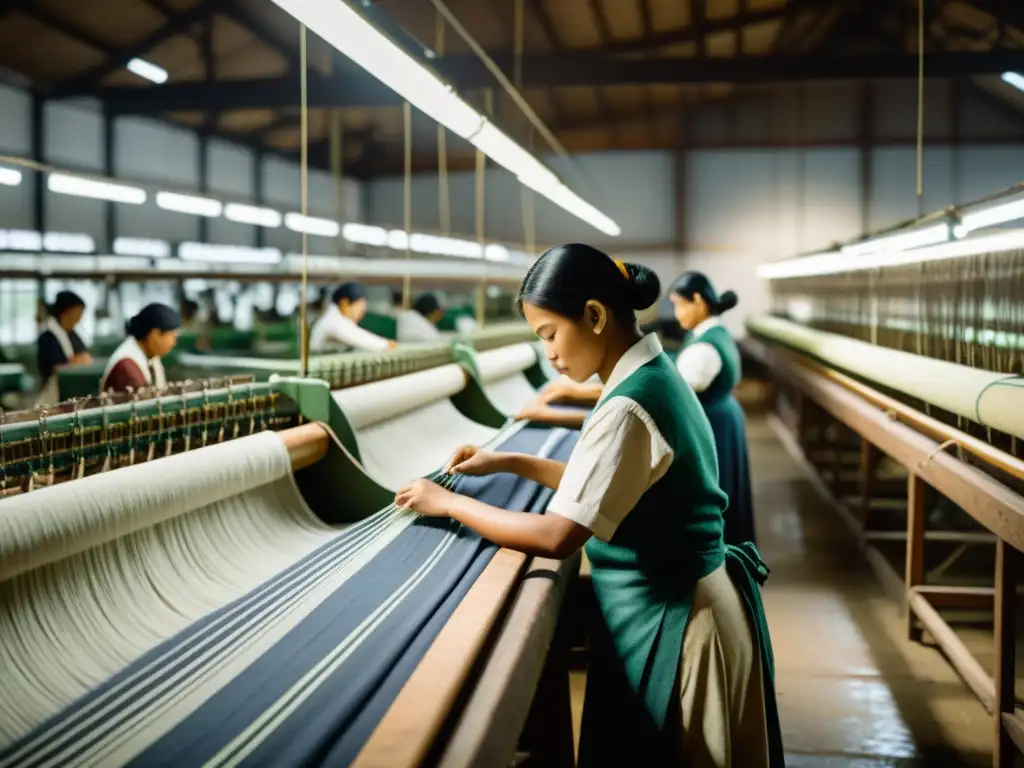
[(365, 234), (238, 254), (837, 263), (141, 246), (20, 240), (344, 28), (9, 177), (496, 253), (68, 242), (900, 241), (311, 225), (1015, 79), (251, 214), (398, 239), (197, 206), (506, 153), (341, 26), (990, 216), (561, 195), (148, 71), (100, 190), (445, 246)]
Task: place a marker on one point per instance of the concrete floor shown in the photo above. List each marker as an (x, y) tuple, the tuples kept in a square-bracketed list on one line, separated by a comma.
[(852, 691)]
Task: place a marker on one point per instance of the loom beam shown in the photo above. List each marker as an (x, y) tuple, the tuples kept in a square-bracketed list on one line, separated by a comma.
[(994, 400)]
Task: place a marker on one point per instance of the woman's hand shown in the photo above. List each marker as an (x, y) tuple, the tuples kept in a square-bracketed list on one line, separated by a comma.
[(470, 460), (554, 393), (535, 411), (424, 497)]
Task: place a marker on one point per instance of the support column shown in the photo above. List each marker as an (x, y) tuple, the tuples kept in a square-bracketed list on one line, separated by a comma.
[(867, 106), (1007, 559), (257, 193), (681, 186), (109, 170), (38, 155), (916, 491)]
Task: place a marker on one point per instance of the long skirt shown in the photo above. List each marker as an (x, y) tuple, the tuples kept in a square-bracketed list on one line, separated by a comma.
[(729, 427), (721, 704)]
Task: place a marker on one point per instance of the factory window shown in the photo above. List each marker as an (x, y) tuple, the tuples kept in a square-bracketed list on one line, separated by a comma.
[(18, 304)]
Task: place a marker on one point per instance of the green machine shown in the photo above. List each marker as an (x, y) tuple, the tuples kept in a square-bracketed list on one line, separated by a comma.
[(95, 434)]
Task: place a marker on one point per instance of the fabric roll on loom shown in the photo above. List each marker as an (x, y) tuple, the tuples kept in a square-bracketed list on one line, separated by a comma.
[(149, 619), (501, 371), (407, 426)]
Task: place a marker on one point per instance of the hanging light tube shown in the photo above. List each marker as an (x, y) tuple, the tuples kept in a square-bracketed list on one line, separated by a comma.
[(251, 214), (148, 71), (1015, 79), (21, 240), (78, 186), (900, 241), (311, 225), (365, 234), (837, 262), (238, 254), (142, 246), (191, 204), (341, 26), (9, 177), (68, 242), (988, 217)]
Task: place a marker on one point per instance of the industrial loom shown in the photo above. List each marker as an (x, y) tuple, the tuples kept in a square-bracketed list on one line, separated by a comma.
[(898, 369), (220, 577)]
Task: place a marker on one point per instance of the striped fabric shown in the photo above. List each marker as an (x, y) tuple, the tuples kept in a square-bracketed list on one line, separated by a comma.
[(301, 669)]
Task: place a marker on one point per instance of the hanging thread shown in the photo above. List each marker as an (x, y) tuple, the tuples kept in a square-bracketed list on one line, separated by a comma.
[(304, 182)]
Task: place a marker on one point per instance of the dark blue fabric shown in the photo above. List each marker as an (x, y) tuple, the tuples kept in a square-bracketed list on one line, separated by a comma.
[(332, 724), (729, 426)]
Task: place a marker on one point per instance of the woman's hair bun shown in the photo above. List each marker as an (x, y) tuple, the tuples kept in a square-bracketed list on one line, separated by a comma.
[(727, 301), (644, 286)]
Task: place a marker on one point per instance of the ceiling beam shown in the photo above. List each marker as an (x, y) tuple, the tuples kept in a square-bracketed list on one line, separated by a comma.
[(465, 72), (691, 33), (178, 24), (540, 12), (54, 21)]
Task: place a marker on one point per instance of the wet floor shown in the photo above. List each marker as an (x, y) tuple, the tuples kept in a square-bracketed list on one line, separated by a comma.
[(852, 691)]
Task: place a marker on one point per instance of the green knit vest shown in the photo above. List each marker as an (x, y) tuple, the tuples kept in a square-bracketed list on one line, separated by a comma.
[(727, 379), (644, 577)]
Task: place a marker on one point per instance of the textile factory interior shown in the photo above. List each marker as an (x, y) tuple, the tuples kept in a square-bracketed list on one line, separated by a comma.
[(323, 405)]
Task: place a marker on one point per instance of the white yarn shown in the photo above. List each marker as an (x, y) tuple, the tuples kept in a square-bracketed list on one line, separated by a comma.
[(97, 572), (510, 395), (501, 363), (56, 522), (416, 443), (370, 404)]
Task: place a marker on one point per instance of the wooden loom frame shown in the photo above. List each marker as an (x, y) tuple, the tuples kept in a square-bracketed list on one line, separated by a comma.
[(989, 502), (503, 644)]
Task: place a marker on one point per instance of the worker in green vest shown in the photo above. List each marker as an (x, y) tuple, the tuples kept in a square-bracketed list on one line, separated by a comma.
[(681, 668), (709, 361)]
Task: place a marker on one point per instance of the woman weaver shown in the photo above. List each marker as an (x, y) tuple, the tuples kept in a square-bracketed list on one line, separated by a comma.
[(338, 328), (710, 363), (136, 363), (681, 667), (58, 344)]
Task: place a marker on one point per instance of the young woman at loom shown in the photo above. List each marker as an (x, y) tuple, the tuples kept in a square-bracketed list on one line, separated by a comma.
[(710, 363), (681, 661), (58, 344), (136, 363), (338, 328)]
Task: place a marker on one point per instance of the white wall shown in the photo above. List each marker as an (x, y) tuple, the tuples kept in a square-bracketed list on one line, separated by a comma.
[(155, 152)]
